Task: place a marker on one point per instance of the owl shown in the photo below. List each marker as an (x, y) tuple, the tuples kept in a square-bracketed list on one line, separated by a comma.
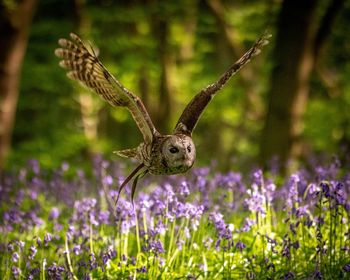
[(157, 154)]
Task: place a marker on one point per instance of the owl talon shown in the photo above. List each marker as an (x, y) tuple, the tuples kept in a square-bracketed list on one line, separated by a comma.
[(134, 185), (132, 174)]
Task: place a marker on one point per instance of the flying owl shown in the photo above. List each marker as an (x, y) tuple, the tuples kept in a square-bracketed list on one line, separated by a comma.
[(157, 154)]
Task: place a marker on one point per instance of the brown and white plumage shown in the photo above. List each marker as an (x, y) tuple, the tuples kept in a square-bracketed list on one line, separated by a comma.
[(85, 67), (194, 109), (158, 154)]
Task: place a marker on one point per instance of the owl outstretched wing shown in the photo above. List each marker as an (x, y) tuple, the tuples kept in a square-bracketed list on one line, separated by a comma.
[(194, 109), (84, 66)]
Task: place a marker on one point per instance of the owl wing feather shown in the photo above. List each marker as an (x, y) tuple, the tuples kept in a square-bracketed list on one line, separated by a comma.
[(194, 109), (84, 66)]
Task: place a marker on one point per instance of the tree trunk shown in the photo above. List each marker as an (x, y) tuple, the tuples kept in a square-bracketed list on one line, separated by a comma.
[(164, 104), (14, 30), (88, 110), (294, 59)]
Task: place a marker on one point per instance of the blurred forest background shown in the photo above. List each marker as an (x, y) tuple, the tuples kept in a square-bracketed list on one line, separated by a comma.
[(292, 100)]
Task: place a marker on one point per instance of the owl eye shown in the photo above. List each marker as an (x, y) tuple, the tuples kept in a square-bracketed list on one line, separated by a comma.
[(189, 149), (173, 150)]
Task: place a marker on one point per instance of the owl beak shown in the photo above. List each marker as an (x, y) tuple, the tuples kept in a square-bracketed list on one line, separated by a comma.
[(188, 162)]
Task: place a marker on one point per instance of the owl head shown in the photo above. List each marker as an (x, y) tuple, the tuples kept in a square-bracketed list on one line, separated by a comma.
[(178, 152)]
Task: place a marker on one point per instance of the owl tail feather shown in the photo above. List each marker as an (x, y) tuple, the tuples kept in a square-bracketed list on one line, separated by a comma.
[(127, 153), (132, 174)]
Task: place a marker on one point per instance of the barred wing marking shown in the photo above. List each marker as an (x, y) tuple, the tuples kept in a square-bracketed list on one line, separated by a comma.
[(194, 109), (84, 66)]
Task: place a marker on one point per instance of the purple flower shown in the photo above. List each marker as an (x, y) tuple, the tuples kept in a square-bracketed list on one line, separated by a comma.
[(346, 267), (32, 252), (16, 271), (257, 177), (222, 229), (107, 180), (92, 261), (184, 190), (289, 275), (160, 228), (103, 217), (110, 254), (256, 202), (55, 271), (325, 189), (248, 223), (15, 257), (292, 186), (10, 247), (54, 213), (76, 249), (143, 269), (156, 247), (296, 245), (317, 275), (38, 241), (240, 245), (47, 238), (313, 188)]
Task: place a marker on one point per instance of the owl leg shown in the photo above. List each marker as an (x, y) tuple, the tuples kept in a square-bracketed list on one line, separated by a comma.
[(132, 174), (134, 184)]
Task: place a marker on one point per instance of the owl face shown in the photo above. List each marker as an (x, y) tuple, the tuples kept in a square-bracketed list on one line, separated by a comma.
[(178, 153)]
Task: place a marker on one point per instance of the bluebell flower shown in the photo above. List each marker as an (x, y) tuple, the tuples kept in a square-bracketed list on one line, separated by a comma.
[(293, 195), (38, 241), (156, 246), (54, 213), (296, 245), (317, 275), (15, 271), (15, 257), (110, 254), (289, 275), (256, 202), (76, 249), (313, 188), (160, 228), (32, 252), (142, 269), (240, 245), (248, 223), (346, 267), (103, 217), (325, 189), (55, 271), (33, 273), (107, 180), (47, 238), (184, 190), (10, 247), (92, 261)]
